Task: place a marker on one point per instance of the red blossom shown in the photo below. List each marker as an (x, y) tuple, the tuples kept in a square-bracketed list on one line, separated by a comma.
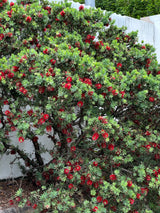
[(45, 116), (80, 103), (119, 65), (151, 99), (95, 163), (131, 201), (105, 202), (99, 199), (70, 186), (21, 139), (98, 86), (129, 183), (69, 140), (28, 19), (34, 206), (108, 48), (70, 176), (95, 209), (113, 177), (69, 79), (111, 147), (62, 13), (105, 135), (68, 86), (95, 136), (81, 7), (73, 148)]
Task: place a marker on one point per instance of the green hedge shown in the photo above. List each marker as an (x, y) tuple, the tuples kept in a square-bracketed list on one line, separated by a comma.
[(133, 8)]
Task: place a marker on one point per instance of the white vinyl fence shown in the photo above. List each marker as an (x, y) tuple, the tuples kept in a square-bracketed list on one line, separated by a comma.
[(148, 31)]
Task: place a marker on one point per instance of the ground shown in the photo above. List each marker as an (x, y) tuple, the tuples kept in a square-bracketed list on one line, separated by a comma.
[(8, 189)]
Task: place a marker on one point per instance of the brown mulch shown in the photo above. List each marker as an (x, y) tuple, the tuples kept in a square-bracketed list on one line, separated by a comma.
[(8, 189)]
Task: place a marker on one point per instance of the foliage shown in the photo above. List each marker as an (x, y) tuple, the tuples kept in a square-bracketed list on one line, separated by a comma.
[(132, 8), (96, 97)]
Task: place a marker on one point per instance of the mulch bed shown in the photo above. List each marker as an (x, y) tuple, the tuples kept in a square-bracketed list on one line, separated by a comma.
[(8, 189)]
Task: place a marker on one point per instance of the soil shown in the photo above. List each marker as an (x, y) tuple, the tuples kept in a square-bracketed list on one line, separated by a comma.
[(8, 189)]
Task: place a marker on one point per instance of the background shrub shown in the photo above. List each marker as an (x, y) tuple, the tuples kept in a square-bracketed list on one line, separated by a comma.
[(132, 8)]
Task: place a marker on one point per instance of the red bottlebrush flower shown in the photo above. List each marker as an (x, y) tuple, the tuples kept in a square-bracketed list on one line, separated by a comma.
[(95, 163), (81, 7), (89, 182), (88, 81), (66, 171), (70, 186), (111, 147), (131, 201), (108, 48), (1, 36), (114, 92), (34, 206), (80, 103), (95, 136), (15, 68), (151, 99), (96, 185), (53, 61), (69, 79), (7, 112), (28, 19), (129, 183), (30, 112), (49, 128), (67, 86), (113, 177), (103, 145), (70, 176), (148, 177), (99, 199), (138, 196), (69, 140), (62, 13), (21, 139), (105, 202), (109, 89), (147, 133), (105, 135), (45, 51), (143, 47), (90, 93), (5, 102), (11, 202), (9, 13), (41, 89), (45, 116), (78, 168), (144, 190), (10, 75), (119, 65), (95, 209), (98, 86), (11, 4), (73, 148)]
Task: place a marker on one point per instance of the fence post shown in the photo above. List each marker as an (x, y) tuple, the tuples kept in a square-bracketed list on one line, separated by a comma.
[(90, 3)]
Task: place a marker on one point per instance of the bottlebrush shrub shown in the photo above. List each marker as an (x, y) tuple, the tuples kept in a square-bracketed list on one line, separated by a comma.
[(98, 101)]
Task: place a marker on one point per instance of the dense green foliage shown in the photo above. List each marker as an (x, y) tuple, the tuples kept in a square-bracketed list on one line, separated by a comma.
[(132, 8), (97, 101)]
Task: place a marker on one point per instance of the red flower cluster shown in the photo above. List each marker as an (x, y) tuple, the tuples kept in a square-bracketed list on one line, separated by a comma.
[(28, 19)]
